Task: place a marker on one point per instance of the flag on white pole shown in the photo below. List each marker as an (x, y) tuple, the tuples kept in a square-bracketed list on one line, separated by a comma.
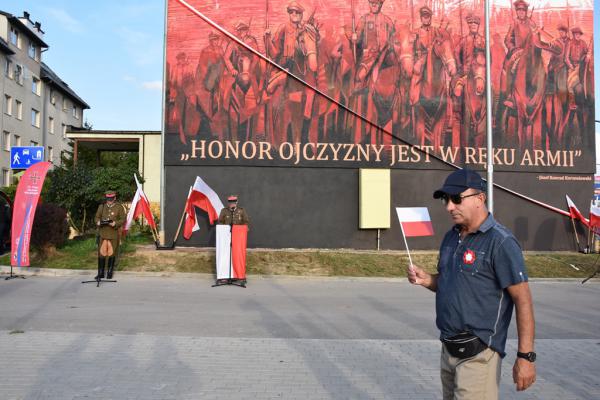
[(203, 197), (415, 221), (575, 213), (139, 206)]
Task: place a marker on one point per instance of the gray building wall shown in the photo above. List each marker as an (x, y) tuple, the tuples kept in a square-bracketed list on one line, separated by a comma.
[(24, 129)]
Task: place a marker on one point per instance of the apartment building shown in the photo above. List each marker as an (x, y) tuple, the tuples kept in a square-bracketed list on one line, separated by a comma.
[(38, 108)]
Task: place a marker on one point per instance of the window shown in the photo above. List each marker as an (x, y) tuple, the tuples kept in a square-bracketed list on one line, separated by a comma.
[(19, 109), (33, 51), (7, 104), (65, 104), (8, 69), (52, 97), (17, 140), (35, 118), (51, 125), (50, 154), (6, 141), (5, 177), (63, 128), (14, 37), (19, 74), (33, 143), (75, 112), (36, 87)]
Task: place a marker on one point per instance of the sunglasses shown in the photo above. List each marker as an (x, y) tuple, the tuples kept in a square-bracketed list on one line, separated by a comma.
[(456, 198)]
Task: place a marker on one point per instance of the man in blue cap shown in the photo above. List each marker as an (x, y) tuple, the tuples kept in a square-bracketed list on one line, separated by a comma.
[(480, 277)]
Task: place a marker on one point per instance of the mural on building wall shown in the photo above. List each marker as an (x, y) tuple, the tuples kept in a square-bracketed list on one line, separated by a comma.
[(396, 74)]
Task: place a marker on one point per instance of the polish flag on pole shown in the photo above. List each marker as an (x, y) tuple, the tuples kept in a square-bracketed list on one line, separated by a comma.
[(414, 221), (203, 197), (595, 218), (139, 206), (575, 213)]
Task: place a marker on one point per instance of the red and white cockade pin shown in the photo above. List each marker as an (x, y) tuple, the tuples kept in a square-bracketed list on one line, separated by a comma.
[(469, 257)]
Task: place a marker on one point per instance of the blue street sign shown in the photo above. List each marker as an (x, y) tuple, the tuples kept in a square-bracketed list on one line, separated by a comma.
[(23, 157)]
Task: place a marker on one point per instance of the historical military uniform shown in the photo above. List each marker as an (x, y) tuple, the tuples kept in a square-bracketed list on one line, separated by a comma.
[(109, 211), (373, 37), (236, 216)]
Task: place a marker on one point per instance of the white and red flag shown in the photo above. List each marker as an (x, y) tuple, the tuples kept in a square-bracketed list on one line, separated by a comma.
[(203, 197), (415, 221), (575, 213), (595, 218), (140, 205)]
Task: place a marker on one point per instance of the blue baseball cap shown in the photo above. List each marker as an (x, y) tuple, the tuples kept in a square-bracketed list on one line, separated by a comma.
[(459, 181)]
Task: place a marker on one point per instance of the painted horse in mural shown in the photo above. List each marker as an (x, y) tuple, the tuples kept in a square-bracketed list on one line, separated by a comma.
[(434, 66)]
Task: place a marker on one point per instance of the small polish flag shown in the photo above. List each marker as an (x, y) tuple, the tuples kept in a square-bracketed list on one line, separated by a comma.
[(575, 213), (415, 221), (203, 197), (595, 218)]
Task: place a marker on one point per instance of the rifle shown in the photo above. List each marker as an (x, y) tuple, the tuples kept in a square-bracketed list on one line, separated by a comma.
[(353, 31)]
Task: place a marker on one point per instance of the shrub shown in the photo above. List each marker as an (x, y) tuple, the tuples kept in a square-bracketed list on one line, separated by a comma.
[(50, 228)]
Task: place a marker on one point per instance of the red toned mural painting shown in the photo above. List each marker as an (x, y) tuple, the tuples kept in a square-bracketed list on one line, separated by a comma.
[(354, 83)]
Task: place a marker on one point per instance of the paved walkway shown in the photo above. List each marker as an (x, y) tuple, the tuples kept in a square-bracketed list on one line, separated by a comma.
[(172, 338)]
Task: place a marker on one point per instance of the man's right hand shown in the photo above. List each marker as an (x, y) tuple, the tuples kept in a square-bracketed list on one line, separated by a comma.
[(417, 276)]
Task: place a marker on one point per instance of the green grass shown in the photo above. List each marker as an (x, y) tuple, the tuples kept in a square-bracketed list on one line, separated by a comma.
[(138, 254)]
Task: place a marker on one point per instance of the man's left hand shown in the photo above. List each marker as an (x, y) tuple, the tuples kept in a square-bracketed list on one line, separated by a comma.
[(523, 374), (113, 224)]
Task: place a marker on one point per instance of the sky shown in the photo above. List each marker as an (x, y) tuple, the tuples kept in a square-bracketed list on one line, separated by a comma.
[(111, 53)]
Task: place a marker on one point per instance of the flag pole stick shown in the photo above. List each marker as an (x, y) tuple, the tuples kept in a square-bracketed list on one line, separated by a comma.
[(576, 234), (179, 227), (406, 244)]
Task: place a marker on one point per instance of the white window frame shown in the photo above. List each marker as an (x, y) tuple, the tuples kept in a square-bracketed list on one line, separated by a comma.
[(19, 107), (17, 140), (9, 72), (52, 96), (64, 130), (51, 125), (33, 143), (6, 140), (65, 105), (14, 37), (7, 108), (5, 177), (51, 154), (35, 118), (36, 52), (36, 85), (19, 74)]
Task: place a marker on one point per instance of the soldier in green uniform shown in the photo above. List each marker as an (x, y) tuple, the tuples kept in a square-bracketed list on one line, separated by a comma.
[(109, 219), (233, 215)]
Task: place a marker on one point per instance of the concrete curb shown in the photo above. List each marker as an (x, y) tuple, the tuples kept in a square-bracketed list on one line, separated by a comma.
[(58, 272)]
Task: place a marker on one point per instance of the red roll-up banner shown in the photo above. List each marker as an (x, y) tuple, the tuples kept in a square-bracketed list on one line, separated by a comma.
[(26, 200)]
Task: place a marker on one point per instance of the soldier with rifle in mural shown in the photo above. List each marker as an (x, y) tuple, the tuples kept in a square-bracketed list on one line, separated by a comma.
[(243, 89), (556, 101), (575, 58), (294, 47), (468, 88), (371, 47)]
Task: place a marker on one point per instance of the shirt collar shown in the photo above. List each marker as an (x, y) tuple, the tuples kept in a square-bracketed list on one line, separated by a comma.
[(484, 227)]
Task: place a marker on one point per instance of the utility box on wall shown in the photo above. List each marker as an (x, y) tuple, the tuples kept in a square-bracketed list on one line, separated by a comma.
[(374, 198)]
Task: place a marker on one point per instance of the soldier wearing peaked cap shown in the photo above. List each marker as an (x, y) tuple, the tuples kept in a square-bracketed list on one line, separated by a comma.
[(521, 5), (423, 11), (295, 6), (233, 215), (109, 218)]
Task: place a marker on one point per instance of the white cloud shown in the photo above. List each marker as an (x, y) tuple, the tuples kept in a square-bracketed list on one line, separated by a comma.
[(66, 20), (152, 85)]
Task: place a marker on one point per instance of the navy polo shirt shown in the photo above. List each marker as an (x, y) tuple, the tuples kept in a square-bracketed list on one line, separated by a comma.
[(471, 287)]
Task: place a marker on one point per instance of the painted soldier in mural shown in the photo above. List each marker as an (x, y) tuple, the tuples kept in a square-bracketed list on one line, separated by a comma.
[(556, 107), (468, 88), (524, 82), (434, 65), (374, 80), (243, 87), (181, 78), (294, 47), (575, 58), (206, 100)]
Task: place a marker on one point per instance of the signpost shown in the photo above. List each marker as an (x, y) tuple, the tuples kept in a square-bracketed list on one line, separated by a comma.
[(23, 157)]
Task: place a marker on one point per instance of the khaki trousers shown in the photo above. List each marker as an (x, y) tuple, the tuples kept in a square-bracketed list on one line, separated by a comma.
[(475, 378)]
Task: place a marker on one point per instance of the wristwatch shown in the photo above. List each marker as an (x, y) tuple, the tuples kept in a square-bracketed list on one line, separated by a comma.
[(531, 356)]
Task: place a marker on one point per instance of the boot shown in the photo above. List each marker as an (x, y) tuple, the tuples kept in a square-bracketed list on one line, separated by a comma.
[(101, 262), (111, 266)]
